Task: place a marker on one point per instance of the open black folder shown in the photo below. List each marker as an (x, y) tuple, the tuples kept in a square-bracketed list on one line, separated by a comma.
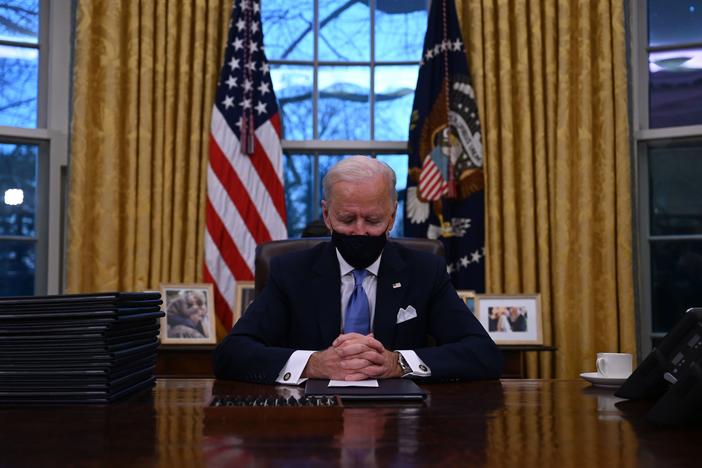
[(387, 389)]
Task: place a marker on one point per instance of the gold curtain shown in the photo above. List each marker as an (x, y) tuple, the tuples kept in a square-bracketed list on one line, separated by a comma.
[(144, 80), (551, 81)]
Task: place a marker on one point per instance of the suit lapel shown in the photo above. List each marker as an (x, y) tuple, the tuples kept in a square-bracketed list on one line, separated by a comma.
[(388, 298), (326, 285)]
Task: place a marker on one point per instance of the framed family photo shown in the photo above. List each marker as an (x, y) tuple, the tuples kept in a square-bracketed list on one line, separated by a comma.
[(510, 319), (468, 298), (245, 293), (190, 315)]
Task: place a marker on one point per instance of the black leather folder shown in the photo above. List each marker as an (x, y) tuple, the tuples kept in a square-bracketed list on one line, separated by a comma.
[(77, 348), (387, 389)]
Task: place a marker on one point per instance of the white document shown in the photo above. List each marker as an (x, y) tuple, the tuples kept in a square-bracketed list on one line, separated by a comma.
[(353, 383)]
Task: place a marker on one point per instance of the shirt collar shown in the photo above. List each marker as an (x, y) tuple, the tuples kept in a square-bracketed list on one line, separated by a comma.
[(346, 268)]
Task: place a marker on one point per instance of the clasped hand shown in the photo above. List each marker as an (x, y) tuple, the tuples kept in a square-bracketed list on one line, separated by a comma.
[(353, 356)]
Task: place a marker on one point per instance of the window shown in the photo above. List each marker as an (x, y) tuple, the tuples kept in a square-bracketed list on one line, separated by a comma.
[(667, 84), (344, 73), (32, 142)]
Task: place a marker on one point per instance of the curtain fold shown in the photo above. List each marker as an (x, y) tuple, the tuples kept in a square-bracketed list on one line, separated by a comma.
[(143, 84), (551, 81)]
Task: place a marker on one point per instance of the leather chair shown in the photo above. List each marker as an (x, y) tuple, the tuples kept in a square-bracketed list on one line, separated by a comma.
[(265, 252)]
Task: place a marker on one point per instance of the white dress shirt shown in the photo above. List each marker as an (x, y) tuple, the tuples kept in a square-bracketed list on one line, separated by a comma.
[(292, 370)]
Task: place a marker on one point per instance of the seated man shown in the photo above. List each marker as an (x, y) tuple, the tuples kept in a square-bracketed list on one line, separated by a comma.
[(358, 307)]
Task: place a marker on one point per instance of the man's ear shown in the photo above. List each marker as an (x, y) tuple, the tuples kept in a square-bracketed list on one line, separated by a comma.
[(325, 214), (392, 219)]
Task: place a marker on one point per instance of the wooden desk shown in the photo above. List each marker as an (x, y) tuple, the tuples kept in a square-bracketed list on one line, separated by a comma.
[(513, 422)]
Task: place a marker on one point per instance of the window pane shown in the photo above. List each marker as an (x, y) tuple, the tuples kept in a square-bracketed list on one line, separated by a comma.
[(293, 88), (676, 280), (18, 86), (675, 88), (675, 173), (17, 265), (399, 163), (344, 30), (400, 26), (18, 183), (394, 95), (288, 29), (299, 192), (19, 20), (344, 105), (676, 22)]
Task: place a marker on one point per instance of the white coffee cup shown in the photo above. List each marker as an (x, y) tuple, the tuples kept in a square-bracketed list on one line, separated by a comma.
[(614, 364)]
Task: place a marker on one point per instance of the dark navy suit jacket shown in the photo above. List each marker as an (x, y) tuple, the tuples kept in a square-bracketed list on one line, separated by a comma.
[(300, 309)]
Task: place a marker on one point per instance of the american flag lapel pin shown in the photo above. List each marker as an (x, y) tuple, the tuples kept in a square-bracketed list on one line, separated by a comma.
[(396, 285)]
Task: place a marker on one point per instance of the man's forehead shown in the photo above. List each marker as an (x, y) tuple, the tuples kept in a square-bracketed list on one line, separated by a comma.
[(341, 209)]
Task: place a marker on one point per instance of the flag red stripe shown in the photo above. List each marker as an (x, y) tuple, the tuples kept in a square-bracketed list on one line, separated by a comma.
[(227, 248), (430, 182), (429, 177), (275, 121), (238, 193)]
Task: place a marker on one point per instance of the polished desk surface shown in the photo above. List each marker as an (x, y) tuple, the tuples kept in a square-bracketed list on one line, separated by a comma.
[(512, 422)]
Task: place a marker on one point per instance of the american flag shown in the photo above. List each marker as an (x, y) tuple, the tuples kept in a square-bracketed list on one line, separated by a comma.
[(245, 194), (432, 184)]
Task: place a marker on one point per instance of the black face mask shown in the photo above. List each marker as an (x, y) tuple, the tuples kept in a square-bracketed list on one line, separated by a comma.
[(359, 251)]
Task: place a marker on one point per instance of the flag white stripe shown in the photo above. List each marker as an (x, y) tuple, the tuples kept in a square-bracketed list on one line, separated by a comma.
[(431, 179), (430, 176), (271, 145), (220, 272), (231, 218), (229, 145)]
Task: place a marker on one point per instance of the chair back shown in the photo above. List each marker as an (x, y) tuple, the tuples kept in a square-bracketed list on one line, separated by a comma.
[(265, 252)]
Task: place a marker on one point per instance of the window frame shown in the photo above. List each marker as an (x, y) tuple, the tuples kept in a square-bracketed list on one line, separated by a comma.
[(642, 138), (316, 146), (56, 18)]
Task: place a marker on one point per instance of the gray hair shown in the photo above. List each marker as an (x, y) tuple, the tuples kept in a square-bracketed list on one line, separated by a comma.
[(356, 169)]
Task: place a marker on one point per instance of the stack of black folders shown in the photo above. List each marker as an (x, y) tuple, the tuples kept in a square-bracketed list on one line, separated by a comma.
[(78, 348)]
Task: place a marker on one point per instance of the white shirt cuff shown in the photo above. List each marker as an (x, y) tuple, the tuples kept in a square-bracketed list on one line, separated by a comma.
[(419, 369), (291, 372)]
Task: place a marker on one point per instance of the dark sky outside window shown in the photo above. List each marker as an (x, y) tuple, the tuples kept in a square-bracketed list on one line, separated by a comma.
[(674, 22), (675, 75)]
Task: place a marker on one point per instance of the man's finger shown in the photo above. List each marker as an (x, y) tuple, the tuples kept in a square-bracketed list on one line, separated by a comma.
[(356, 376), (344, 337), (351, 349), (371, 356), (355, 364)]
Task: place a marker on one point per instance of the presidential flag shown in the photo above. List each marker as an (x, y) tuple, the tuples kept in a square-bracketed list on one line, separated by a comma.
[(445, 182), (245, 195)]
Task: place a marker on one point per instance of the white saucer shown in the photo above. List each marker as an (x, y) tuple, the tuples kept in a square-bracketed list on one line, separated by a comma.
[(598, 380)]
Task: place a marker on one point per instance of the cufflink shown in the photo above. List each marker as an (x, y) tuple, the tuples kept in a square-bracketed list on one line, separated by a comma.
[(423, 367), (287, 376)]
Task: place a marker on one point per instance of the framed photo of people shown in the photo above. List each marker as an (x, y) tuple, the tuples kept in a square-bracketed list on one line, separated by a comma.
[(468, 298), (511, 319), (190, 315), (245, 293)]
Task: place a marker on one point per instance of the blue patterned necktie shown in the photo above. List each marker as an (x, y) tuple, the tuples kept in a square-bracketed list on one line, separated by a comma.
[(357, 318)]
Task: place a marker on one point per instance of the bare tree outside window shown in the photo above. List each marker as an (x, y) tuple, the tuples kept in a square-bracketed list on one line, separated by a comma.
[(354, 82), (19, 59), (19, 64)]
